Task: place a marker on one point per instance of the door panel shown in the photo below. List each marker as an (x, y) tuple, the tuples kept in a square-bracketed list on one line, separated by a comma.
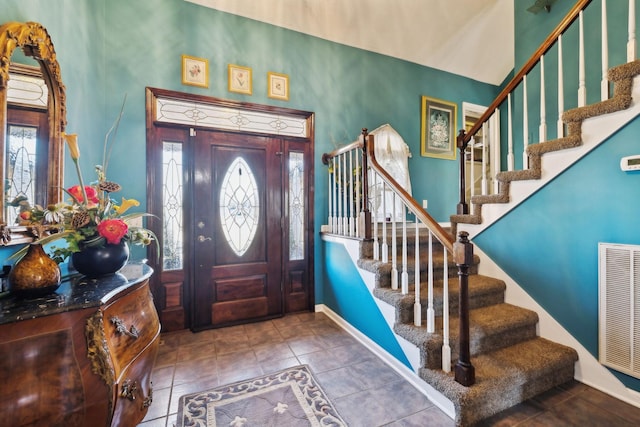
[(238, 235), (201, 281)]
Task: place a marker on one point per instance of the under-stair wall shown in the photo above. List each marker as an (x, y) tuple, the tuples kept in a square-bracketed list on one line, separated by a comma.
[(549, 243)]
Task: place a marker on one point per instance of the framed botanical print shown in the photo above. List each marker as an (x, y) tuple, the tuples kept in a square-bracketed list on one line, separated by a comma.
[(195, 71), (240, 79), (278, 86), (438, 128)]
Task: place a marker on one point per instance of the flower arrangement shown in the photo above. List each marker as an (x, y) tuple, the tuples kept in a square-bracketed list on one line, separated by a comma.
[(90, 217)]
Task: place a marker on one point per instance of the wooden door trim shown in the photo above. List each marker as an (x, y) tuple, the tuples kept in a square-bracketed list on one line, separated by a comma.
[(154, 187)]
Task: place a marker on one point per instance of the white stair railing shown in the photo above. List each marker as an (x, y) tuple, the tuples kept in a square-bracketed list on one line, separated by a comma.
[(344, 204), (425, 230), (516, 95)]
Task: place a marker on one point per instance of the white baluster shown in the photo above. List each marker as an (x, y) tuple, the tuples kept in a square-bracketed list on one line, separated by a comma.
[(376, 247), (431, 314), (542, 130), (405, 274), (510, 156), (417, 306), (472, 167), (446, 348), (345, 195), (525, 124), (352, 206), (358, 174), (604, 83), (334, 196), (560, 123), (394, 245), (385, 244), (582, 87), (631, 43), (331, 190), (485, 163), (339, 195), (494, 146)]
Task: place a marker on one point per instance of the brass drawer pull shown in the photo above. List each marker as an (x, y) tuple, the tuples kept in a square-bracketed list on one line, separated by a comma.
[(128, 389), (133, 332)]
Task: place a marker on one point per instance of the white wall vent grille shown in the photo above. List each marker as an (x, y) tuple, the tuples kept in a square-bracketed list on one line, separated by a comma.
[(619, 307)]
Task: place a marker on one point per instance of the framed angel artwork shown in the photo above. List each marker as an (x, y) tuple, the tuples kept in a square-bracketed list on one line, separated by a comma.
[(195, 71), (438, 128)]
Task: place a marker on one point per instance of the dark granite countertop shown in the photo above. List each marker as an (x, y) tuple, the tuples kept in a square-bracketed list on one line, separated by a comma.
[(75, 292)]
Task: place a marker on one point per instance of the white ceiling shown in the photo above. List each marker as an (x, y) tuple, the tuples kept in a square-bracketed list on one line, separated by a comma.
[(472, 38)]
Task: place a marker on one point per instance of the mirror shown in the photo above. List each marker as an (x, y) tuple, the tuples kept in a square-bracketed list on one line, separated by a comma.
[(34, 42)]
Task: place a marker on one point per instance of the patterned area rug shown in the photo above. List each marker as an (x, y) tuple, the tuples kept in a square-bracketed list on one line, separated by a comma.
[(289, 398)]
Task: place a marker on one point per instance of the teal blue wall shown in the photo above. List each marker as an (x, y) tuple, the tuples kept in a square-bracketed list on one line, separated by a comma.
[(347, 295), (549, 244), (107, 49)]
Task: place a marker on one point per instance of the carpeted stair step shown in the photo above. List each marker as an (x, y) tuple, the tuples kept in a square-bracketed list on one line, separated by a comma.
[(382, 270), (493, 327), (505, 377), (622, 78), (483, 291)]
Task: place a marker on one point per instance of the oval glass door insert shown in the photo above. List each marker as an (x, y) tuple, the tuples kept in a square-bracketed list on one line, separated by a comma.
[(239, 206)]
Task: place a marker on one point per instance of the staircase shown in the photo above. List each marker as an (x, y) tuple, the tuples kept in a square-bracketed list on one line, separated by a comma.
[(512, 363), (624, 90)]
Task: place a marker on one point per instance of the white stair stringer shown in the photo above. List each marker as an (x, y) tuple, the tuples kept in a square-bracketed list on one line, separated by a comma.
[(595, 130), (411, 351)]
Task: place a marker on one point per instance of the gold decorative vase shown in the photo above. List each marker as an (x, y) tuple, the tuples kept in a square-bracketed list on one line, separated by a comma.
[(35, 274)]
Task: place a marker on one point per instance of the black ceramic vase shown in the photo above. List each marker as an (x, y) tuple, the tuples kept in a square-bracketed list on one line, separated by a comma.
[(97, 261), (35, 274)]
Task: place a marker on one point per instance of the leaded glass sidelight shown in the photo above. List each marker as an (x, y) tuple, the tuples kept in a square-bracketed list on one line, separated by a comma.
[(20, 167), (239, 206), (296, 206), (172, 226)]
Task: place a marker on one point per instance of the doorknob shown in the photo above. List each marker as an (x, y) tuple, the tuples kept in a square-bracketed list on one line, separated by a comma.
[(201, 238)]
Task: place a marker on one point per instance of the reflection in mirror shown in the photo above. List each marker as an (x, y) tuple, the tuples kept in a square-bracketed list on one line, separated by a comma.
[(26, 146), (32, 117)]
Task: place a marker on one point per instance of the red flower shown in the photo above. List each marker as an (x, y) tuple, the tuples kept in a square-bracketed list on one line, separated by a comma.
[(76, 191), (113, 230)]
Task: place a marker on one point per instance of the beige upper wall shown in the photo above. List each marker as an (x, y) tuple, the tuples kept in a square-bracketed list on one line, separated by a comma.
[(471, 38)]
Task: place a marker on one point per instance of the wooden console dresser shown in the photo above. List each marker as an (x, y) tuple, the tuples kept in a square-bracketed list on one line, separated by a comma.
[(81, 356)]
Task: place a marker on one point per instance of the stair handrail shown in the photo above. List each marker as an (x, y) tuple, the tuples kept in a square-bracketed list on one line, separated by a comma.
[(462, 252), (528, 66), (464, 137), (341, 150), (441, 234)]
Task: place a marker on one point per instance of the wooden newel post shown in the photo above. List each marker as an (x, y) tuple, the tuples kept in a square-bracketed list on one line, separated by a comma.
[(463, 207), (365, 214), (463, 257)]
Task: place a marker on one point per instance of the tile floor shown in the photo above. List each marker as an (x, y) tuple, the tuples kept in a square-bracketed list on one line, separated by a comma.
[(365, 391)]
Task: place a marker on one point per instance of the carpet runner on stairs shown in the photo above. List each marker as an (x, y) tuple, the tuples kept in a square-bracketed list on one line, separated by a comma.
[(512, 364)]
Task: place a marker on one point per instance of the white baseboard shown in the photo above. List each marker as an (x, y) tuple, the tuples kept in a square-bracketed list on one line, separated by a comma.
[(432, 394)]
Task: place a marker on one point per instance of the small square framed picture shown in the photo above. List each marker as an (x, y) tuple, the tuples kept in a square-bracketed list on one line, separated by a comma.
[(195, 71), (278, 86), (240, 79)]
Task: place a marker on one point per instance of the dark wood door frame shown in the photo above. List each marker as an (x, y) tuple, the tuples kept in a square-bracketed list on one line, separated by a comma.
[(171, 290)]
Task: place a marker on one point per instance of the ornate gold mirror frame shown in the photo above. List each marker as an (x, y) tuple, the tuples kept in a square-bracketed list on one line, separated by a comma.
[(35, 42)]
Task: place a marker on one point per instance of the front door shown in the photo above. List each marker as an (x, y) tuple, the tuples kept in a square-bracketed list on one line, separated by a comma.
[(238, 229), (230, 185)]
